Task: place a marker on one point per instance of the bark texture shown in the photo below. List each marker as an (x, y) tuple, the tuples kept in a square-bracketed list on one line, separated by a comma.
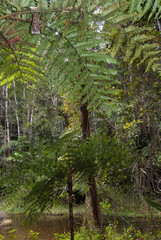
[(92, 183), (95, 203), (85, 121)]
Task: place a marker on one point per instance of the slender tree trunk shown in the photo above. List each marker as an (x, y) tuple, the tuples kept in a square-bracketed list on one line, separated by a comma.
[(24, 111), (16, 113), (6, 122), (70, 192), (92, 183), (6, 116), (70, 188), (31, 114), (28, 115), (1, 107)]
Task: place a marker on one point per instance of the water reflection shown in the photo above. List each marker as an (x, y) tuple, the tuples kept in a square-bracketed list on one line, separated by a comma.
[(46, 226)]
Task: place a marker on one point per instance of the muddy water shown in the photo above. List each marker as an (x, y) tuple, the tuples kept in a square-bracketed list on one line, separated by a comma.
[(46, 226)]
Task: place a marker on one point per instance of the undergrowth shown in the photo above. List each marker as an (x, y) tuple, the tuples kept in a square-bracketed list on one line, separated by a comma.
[(110, 233)]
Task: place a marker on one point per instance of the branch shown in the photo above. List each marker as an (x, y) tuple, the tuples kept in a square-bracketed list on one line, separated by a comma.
[(30, 11), (19, 19)]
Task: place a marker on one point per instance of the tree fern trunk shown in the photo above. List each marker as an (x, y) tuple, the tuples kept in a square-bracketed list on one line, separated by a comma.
[(92, 183), (85, 121), (95, 203)]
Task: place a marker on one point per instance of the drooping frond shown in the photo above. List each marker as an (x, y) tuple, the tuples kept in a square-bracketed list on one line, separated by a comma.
[(71, 43), (19, 60), (76, 64), (139, 44)]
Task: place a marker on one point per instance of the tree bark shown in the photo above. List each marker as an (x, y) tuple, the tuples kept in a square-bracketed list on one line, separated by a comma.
[(95, 203), (85, 121), (91, 180)]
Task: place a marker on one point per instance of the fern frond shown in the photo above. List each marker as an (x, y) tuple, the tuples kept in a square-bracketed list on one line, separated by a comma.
[(153, 204), (156, 5), (143, 7), (136, 30), (133, 5), (118, 43), (124, 18), (143, 38), (151, 62), (147, 6), (115, 8), (69, 50)]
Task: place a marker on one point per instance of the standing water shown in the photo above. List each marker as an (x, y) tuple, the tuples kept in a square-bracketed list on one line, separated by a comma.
[(46, 226)]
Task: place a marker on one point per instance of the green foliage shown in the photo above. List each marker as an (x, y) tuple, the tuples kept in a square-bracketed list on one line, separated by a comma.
[(69, 49), (128, 34), (12, 235), (38, 179), (150, 7), (139, 45), (106, 206), (13, 145), (74, 55), (69, 57), (111, 234), (19, 61), (99, 154), (33, 235), (153, 204), (83, 234), (40, 173), (1, 237)]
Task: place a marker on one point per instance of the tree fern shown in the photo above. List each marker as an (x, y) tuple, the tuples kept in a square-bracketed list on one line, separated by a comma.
[(71, 66), (71, 35)]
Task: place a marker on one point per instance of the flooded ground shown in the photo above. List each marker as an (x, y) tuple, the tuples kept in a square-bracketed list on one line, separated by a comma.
[(46, 226)]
